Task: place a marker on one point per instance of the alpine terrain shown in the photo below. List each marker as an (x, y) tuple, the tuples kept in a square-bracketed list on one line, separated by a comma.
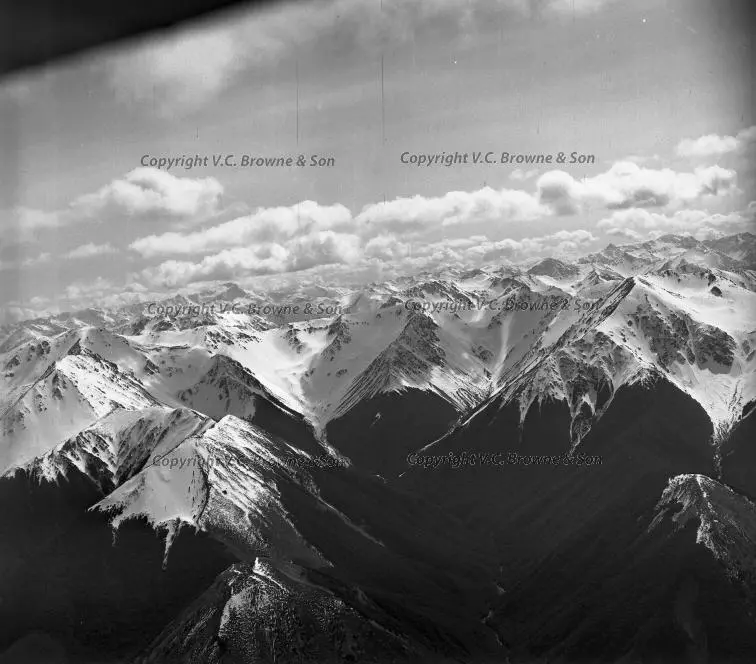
[(549, 462)]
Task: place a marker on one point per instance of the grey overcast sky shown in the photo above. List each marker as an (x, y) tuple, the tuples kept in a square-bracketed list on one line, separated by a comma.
[(659, 93)]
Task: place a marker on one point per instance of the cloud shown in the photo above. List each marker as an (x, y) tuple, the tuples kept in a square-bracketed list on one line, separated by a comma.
[(90, 288), (145, 193), (306, 235), (391, 258), (32, 219), (328, 250), (179, 70), (474, 251), (103, 293), (625, 233), (454, 208), (637, 224), (713, 145), (387, 248), (148, 191), (89, 250), (560, 192), (275, 224), (183, 69), (628, 185), (561, 242), (315, 249), (24, 224), (402, 215), (31, 261), (44, 257), (14, 312)]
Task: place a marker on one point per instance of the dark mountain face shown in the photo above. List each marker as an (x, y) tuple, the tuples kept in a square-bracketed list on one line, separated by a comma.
[(581, 579), (88, 590), (274, 619), (378, 433), (738, 456)]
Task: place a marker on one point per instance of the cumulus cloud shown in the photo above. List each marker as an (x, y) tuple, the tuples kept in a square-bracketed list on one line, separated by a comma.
[(147, 191), (628, 185), (275, 224), (302, 236), (560, 192), (315, 249), (714, 145), (328, 250), (403, 215), (387, 248), (455, 207)]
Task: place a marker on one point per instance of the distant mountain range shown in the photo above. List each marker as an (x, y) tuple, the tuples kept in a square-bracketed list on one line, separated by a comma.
[(642, 355)]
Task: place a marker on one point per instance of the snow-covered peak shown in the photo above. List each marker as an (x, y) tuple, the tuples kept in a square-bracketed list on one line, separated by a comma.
[(676, 306), (551, 267), (225, 480), (116, 446)]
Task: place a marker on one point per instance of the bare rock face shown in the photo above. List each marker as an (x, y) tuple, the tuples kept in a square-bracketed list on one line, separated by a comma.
[(726, 523), (677, 338), (255, 614)]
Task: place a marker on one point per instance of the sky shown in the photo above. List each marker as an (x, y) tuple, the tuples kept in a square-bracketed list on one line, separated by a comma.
[(656, 95)]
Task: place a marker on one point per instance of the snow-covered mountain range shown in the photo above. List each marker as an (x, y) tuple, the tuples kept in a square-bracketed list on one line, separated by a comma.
[(213, 412)]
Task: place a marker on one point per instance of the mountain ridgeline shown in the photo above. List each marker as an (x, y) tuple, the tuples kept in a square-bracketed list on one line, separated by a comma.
[(542, 463)]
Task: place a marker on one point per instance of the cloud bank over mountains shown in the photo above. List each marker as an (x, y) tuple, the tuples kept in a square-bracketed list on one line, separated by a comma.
[(210, 240)]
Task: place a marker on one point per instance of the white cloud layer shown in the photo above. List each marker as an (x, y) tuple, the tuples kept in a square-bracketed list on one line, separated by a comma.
[(455, 207), (142, 194), (407, 233), (637, 224), (266, 225), (148, 191), (714, 145), (315, 249), (628, 185), (327, 249)]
